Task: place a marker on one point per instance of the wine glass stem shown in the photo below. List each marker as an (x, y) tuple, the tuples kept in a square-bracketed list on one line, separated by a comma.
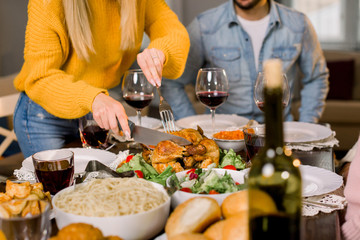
[(138, 114), (212, 119)]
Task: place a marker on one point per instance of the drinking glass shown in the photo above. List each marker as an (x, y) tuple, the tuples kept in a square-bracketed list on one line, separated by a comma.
[(91, 134), (54, 169), (36, 226), (212, 89), (137, 91), (254, 140), (259, 91)]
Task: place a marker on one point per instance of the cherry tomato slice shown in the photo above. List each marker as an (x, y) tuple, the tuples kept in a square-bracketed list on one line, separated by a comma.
[(213, 192), (230, 167), (186, 190), (139, 173), (128, 158), (191, 171)]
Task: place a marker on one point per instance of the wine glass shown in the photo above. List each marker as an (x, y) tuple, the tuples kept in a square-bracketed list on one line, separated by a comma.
[(212, 89), (259, 91), (91, 134), (137, 91)]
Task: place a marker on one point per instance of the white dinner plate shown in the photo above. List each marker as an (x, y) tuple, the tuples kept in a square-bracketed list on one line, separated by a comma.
[(317, 181), (301, 132), (81, 157), (222, 122), (147, 122)]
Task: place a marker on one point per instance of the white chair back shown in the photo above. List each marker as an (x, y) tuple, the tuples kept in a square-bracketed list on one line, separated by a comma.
[(7, 107)]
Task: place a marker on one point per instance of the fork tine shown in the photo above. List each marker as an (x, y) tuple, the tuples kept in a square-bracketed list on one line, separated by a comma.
[(163, 120), (166, 114), (169, 120), (172, 122), (166, 121)]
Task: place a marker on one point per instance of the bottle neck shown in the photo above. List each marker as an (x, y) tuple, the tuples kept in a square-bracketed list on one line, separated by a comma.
[(273, 118)]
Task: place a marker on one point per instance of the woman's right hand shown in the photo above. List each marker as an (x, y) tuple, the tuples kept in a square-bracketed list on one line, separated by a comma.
[(106, 111)]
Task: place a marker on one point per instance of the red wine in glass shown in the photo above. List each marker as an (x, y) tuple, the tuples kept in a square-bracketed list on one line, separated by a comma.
[(138, 101), (261, 105), (212, 99), (54, 169), (95, 136), (211, 89), (54, 180)]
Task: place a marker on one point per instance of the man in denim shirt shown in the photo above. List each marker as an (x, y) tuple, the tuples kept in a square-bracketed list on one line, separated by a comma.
[(233, 36)]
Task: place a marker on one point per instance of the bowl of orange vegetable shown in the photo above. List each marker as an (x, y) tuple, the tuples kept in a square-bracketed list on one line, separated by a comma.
[(233, 139)]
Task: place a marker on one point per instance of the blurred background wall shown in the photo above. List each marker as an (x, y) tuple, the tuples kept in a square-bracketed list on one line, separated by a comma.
[(13, 17)]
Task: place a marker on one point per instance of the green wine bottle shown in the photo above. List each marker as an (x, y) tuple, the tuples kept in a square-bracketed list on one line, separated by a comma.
[(274, 179)]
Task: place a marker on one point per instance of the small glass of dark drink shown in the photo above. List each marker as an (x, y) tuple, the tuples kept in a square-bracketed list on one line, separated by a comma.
[(54, 169), (91, 134), (254, 140)]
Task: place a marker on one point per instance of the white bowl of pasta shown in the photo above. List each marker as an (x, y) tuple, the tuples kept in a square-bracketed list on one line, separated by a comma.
[(130, 208)]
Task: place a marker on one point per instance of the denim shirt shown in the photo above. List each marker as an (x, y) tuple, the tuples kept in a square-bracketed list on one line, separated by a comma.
[(218, 40)]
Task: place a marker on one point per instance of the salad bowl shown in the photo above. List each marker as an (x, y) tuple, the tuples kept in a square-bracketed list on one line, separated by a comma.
[(214, 178)]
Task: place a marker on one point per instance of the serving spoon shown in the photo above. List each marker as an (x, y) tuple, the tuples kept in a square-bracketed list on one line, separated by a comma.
[(97, 166)]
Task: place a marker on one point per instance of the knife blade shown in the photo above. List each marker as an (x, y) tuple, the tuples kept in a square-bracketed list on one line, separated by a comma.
[(150, 136)]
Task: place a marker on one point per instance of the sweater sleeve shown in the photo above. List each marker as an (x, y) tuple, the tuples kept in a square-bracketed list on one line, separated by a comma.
[(351, 227), (46, 49), (167, 34)]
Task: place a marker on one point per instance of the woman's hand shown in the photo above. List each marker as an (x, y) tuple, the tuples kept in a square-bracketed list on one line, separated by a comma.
[(151, 61), (106, 112)]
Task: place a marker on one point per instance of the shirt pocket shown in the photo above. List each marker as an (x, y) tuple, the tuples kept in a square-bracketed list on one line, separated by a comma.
[(226, 54), (227, 58), (285, 53)]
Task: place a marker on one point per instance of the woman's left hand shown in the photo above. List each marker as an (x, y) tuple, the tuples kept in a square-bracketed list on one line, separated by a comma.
[(151, 61)]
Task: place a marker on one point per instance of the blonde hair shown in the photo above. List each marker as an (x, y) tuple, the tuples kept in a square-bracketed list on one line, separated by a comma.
[(78, 17)]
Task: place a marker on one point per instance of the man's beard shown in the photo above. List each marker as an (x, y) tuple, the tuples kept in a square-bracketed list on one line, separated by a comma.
[(248, 6)]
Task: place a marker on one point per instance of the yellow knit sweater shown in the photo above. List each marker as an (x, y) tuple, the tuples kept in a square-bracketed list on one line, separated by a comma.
[(53, 75)]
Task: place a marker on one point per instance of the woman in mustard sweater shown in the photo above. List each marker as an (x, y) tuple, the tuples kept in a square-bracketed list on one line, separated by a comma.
[(76, 50)]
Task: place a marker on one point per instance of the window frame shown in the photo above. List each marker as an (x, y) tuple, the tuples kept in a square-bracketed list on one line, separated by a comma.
[(350, 11)]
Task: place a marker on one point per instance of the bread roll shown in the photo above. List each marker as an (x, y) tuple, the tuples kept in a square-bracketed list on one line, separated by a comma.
[(81, 231), (235, 204), (215, 231), (236, 227), (238, 202), (189, 236), (193, 216)]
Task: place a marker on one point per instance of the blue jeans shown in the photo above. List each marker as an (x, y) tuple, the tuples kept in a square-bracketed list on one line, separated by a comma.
[(38, 130)]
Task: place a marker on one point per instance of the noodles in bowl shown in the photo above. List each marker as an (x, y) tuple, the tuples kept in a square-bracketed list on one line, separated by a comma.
[(111, 197), (131, 208)]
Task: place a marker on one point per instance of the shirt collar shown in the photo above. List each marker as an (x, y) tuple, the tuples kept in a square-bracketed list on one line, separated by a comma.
[(232, 17)]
